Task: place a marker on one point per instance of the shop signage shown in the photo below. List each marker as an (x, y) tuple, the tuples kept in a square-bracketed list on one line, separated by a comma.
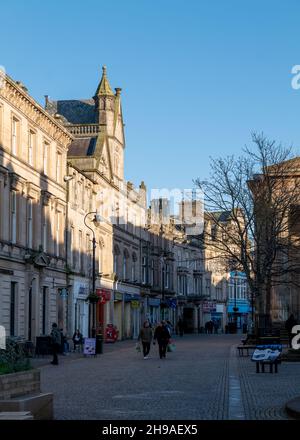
[(209, 306), (172, 303), (135, 304), (154, 302), (89, 347), (118, 296), (104, 295), (83, 291), (129, 297), (242, 305)]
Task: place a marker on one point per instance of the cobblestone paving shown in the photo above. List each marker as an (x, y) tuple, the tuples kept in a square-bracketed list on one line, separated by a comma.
[(265, 395), (192, 383)]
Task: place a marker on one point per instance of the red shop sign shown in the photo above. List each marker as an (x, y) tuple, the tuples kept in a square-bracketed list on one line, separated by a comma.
[(104, 295)]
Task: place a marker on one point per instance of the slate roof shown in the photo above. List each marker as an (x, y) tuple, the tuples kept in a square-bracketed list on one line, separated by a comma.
[(81, 111), (82, 147), (221, 216)]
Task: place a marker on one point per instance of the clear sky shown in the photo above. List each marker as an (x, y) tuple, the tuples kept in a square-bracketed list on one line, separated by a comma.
[(197, 75)]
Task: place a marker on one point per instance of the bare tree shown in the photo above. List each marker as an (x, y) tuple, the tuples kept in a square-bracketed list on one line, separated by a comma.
[(258, 195)]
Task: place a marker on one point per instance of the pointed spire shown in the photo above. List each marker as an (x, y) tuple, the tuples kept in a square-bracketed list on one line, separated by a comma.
[(104, 87)]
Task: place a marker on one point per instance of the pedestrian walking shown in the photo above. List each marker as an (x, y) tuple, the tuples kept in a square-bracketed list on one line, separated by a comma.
[(289, 324), (145, 336), (56, 343), (180, 327), (162, 336)]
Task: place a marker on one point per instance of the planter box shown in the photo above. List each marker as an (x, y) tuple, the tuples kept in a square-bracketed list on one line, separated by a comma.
[(21, 392), (19, 384)]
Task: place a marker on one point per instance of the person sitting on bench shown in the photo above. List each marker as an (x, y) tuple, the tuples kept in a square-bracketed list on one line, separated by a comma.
[(77, 340)]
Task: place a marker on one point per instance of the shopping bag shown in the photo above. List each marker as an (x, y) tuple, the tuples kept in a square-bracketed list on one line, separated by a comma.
[(138, 347), (171, 347)]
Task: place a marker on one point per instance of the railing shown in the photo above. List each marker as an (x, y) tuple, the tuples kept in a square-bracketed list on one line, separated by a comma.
[(84, 129)]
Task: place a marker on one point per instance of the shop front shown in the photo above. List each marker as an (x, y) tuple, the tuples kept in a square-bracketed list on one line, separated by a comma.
[(102, 316), (219, 319), (132, 317), (238, 311), (208, 310), (153, 310), (81, 308), (118, 315)]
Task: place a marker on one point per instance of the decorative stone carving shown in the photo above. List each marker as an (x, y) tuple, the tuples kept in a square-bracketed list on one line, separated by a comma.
[(46, 197), (17, 183), (18, 98)]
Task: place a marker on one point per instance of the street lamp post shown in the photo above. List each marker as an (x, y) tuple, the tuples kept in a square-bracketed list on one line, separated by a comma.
[(235, 308), (92, 332)]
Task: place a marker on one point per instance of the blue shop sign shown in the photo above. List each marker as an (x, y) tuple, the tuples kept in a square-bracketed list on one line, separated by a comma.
[(237, 274), (154, 302), (172, 303), (129, 297), (243, 306)]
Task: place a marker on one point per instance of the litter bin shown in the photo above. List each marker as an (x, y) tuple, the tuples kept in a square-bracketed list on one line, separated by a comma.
[(99, 343)]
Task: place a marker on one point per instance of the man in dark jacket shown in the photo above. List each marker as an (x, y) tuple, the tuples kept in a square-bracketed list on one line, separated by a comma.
[(56, 343), (162, 336), (146, 337)]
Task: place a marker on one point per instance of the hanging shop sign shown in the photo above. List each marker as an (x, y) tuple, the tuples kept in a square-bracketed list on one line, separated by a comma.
[(172, 302)]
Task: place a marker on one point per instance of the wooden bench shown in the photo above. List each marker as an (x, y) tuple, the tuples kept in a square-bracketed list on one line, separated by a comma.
[(260, 363), (270, 363)]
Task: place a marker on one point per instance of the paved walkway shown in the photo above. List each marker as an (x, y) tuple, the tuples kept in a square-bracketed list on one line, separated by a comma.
[(202, 379)]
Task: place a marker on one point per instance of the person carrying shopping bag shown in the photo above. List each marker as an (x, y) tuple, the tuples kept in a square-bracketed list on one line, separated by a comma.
[(145, 337), (162, 336)]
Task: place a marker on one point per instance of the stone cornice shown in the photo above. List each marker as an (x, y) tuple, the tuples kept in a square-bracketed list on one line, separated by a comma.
[(17, 183), (33, 111)]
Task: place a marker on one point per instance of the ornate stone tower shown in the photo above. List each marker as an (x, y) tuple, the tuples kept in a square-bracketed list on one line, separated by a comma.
[(98, 127)]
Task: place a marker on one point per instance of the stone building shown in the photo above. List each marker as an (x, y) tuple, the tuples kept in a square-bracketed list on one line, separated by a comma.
[(33, 156), (97, 152), (175, 268), (225, 284), (63, 194)]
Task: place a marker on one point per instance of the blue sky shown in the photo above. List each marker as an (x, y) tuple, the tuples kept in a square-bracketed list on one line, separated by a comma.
[(197, 76)]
